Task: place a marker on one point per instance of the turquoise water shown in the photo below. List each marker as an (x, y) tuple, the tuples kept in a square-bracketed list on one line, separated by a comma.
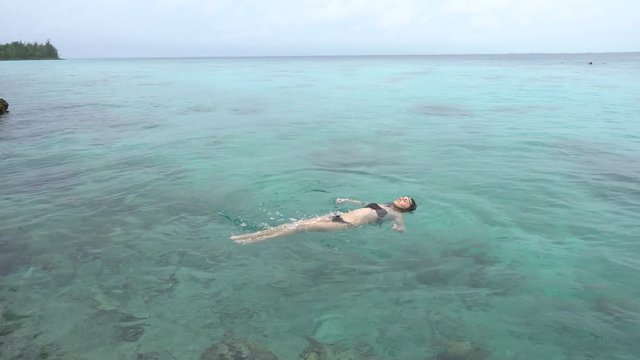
[(121, 181)]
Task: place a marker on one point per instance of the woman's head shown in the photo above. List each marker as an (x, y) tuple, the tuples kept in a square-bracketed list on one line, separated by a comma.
[(405, 204)]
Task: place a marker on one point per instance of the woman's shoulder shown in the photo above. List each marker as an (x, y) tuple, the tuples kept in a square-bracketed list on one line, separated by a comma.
[(376, 206), (391, 210)]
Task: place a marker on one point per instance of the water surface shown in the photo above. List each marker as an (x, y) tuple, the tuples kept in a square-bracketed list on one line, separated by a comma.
[(121, 181)]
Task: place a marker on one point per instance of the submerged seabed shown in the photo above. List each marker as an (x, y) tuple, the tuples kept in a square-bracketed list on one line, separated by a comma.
[(121, 181)]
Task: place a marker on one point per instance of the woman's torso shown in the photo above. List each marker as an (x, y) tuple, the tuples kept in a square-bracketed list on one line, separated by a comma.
[(366, 215)]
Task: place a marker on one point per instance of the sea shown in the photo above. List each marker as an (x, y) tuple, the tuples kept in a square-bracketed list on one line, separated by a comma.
[(121, 181)]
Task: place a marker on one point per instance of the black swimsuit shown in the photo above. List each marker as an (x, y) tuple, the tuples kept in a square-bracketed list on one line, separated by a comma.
[(373, 206), (339, 219), (379, 211)]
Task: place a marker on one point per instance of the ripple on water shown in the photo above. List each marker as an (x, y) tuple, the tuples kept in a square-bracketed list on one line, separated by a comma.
[(443, 110)]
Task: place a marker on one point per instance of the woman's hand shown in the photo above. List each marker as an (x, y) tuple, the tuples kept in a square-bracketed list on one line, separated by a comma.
[(345, 200)]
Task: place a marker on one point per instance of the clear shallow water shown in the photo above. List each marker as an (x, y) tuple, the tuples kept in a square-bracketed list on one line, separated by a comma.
[(121, 181)]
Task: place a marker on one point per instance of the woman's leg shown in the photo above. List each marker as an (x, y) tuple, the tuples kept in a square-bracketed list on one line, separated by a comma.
[(282, 230), (321, 223)]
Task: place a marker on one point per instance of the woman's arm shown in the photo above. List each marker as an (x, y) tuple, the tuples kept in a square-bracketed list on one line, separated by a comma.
[(351, 201), (398, 224)]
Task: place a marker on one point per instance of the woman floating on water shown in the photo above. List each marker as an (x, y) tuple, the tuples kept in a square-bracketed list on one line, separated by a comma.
[(369, 214)]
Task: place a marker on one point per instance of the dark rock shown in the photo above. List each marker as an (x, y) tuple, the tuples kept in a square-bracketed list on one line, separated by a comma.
[(4, 106), (25, 348), (131, 333), (434, 276), (462, 350), (8, 329), (316, 351), (319, 351), (154, 355), (237, 349), (10, 315), (10, 322)]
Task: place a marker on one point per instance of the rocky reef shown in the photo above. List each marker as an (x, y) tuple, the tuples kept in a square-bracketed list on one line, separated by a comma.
[(27, 348), (231, 348), (319, 351), (461, 350), (20, 346)]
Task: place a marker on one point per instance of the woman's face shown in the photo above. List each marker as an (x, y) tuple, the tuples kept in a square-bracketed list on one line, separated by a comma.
[(403, 202)]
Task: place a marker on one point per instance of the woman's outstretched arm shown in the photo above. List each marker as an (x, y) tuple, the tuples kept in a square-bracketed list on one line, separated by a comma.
[(350, 201), (398, 224)]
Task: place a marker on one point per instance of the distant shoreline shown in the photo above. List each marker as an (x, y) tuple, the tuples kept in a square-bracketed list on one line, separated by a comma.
[(19, 50), (470, 55), (41, 59)]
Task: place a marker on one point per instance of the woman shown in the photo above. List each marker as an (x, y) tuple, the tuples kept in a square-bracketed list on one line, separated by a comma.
[(369, 214)]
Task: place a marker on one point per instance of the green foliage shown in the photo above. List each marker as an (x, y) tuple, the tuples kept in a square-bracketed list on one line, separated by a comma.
[(18, 50)]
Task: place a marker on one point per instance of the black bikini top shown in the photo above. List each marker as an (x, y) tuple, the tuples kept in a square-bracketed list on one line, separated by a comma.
[(379, 211)]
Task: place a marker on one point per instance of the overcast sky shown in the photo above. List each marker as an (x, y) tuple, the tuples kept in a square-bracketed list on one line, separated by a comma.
[(173, 28)]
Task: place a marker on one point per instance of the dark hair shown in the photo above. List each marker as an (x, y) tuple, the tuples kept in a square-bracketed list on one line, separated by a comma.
[(413, 205)]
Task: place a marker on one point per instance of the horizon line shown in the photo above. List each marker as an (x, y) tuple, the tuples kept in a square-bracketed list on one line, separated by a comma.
[(347, 56)]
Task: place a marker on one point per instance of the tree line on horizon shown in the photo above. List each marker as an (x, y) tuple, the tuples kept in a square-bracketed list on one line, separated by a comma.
[(19, 50)]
